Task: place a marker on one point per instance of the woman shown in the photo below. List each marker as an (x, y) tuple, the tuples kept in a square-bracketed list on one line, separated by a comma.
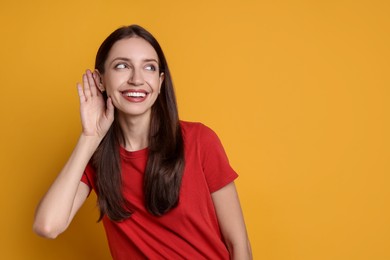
[(165, 188)]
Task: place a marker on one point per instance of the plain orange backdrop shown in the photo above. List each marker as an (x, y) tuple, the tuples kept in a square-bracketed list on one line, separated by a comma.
[(298, 92)]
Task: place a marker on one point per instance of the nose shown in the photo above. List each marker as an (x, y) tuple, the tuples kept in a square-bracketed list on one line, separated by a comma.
[(136, 77)]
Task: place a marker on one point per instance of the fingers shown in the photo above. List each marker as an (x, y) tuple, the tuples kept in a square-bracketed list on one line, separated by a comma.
[(97, 82), (81, 93), (91, 83), (88, 89)]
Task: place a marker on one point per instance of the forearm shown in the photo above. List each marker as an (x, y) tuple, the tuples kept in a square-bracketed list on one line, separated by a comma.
[(231, 222), (54, 211)]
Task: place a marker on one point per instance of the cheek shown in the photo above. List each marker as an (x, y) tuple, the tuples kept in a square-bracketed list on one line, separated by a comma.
[(112, 83), (153, 81)]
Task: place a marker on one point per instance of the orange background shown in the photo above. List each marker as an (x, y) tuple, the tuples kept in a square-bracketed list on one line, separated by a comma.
[(298, 92)]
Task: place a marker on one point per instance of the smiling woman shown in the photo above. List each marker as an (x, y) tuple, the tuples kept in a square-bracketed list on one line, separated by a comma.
[(165, 187), (132, 71)]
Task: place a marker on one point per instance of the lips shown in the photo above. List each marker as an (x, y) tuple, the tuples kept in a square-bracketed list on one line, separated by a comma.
[(135, 95)]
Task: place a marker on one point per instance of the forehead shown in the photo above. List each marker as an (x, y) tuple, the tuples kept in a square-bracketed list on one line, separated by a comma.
[(134, 48)]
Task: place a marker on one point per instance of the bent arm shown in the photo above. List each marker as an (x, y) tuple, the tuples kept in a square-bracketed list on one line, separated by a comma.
[(231, 222), (66, 195)]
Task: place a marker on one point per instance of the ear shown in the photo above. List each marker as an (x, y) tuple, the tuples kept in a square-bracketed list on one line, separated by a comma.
[(98, 80), (162, 77)]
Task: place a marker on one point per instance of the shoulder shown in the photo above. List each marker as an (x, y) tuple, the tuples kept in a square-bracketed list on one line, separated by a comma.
[(202, 143), (195, 128), (196, 133)]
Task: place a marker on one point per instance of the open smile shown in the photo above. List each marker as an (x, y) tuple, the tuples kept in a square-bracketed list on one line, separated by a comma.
[(135, 95)]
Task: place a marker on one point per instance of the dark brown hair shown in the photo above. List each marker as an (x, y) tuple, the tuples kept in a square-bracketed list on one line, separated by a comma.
[(165, 162)]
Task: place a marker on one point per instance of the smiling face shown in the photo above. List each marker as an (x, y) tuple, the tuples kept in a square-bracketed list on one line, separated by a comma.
[(131, 76)]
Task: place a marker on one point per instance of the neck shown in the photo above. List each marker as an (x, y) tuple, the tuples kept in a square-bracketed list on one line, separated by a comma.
[(135, 131)]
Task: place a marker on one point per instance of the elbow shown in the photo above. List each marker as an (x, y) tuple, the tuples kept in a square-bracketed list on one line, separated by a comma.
[(46, 231), (241, 250)]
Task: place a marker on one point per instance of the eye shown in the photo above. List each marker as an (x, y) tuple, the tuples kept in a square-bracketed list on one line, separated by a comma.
[(121, 66), (150, 67)]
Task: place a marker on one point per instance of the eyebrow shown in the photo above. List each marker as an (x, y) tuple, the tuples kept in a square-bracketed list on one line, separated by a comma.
[(128, 60)]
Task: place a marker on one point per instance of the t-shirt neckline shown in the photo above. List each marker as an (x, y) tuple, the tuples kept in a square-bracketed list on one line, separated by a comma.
[(133, 154)]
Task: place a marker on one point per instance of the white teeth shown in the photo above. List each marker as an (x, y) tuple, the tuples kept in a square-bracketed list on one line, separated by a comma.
[(135, 94)]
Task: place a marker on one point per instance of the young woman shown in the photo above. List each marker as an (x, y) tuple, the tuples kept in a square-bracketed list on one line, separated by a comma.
[(165, 187)]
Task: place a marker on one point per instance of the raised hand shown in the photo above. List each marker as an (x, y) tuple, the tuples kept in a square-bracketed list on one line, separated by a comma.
[(96, 116)]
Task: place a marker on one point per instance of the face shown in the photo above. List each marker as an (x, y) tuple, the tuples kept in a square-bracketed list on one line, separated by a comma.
[(132, 78)]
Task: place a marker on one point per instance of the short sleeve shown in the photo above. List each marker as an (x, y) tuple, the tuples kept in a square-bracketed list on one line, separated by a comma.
[(215, 163), (89, 176)]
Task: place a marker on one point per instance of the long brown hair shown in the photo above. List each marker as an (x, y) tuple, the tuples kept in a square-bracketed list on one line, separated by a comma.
[(165, 164)]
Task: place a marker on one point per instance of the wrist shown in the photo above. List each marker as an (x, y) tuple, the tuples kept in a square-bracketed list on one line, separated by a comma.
[(89, 142)]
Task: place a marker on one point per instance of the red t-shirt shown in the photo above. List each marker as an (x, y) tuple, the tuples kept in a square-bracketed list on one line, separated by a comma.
[(189, 231)]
